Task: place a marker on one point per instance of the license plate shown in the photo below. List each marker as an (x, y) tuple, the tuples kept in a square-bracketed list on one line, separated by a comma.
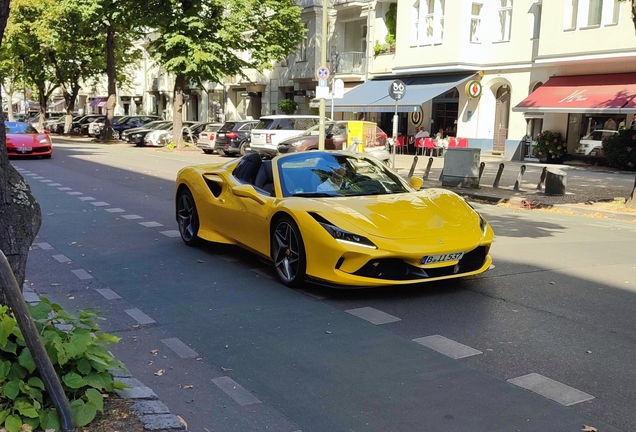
[(25, 149), (434, 259), (221, 135)]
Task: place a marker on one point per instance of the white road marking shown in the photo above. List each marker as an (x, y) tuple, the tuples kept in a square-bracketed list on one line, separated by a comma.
[(82, 274), (115, 210), (38, 178), (235, 391), (45, 246), (151, 224), (559, 392), (132, 217), (74, 193), (108, 294), (139, 316), (54, 184), (100, 204), (86, 198), (171, 233), (62, 258), (373, 315), (447, 346), (44, 181), (65, 188), (30, 174), (181, 349)]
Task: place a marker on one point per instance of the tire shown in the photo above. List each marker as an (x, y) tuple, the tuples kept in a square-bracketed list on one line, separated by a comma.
[(288, 252), (46, 157), (242, 146), (119, 134), (208, 151), (221, 152), (188, 218)]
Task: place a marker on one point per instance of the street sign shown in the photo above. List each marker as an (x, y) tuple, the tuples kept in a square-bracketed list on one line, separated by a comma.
[(322, 92), (397, 90), (338, 89), (322, 83), (322, 73)]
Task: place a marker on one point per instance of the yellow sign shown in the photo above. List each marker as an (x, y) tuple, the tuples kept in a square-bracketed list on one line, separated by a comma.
[(361, 133)]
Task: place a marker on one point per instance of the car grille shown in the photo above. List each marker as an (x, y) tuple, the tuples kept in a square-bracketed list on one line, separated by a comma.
[(397, 269)]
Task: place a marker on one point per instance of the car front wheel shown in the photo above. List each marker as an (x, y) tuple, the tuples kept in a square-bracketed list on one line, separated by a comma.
[(188, 218), (288, 252)]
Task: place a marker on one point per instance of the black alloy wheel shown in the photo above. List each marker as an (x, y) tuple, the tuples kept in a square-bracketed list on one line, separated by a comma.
[(288, 252), (188, 218)]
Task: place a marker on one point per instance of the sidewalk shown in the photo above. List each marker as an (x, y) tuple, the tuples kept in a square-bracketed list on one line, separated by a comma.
[(590, 189)]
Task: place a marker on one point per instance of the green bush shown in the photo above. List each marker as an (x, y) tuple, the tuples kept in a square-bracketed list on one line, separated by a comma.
[(551, 145), (78, 352), (288, 106), (620, 149)]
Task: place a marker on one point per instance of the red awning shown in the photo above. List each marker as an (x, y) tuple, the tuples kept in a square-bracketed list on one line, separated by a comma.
[(611, 93)]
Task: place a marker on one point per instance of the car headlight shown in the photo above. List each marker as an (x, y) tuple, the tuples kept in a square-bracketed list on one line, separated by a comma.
[(135, 135), (297, 143), (343, 236), (45, 141)]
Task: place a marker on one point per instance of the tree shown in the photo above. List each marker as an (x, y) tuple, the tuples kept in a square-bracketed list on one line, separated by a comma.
[(9, 72), (206, 40), (20, 215), (631, 201)]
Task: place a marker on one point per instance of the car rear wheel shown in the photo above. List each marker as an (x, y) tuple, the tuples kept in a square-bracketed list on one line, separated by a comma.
[(208, 151), (188, 218), (288, 252), (221, 152), (242, 150)]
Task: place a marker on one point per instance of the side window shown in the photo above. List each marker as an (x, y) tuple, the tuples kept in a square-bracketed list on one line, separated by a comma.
[(339, 129), (285, 124), (304, 123)]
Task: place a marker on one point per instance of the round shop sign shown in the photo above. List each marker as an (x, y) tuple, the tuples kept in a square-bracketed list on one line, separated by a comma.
[(416, 117), (397, 89), (473, 89)]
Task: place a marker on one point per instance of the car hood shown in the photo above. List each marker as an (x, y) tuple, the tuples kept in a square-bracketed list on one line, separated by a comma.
[(591, 142), (421, 214), (24, 140)]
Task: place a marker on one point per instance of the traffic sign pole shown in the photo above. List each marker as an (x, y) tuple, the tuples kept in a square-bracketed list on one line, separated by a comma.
[(397, 90), (320, 73)]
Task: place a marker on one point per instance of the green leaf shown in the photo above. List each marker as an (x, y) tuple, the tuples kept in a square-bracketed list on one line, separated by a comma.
[(3, 415), (84, 366), (5, 367), (96, 398), (7, 323), (26, 409), (16, 372), (100, 381), (49, 419), (33, 422), (12, 389), (73, 380), (13, 423), (79, 342), (36, 382), (82, 413), (26, 360), (40, 311), (10, 347)]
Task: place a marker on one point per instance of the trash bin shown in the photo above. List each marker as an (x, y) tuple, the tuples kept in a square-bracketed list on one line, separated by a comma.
[(556, 181), (461, 167)]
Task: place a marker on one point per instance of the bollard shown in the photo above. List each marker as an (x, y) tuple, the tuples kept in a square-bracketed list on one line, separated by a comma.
[(495, 185), (519, 177), (482, 166), (542, 179), (428, 168), (412, 170)]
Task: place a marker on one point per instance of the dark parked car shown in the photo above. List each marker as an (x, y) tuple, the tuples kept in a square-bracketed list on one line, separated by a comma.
[(132, 122), (136, 135), (85, 127), (77, 126), (58, 127), (231, 138), (336, 138)]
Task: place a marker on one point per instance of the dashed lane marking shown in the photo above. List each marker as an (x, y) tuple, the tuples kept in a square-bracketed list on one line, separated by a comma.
[(65, 188), (86, 198), (171, 233), (38, 178), (180, 349), (108, 294), (75, 193), (54, 184), (373, 315), (62, 258), (45, 246), (447, 346), (139, 316), (43, 181), (559, 392), (82, 274), (115, 210), (132, 217), (100, 204), (235, 391), (151, 224), (31, 175)]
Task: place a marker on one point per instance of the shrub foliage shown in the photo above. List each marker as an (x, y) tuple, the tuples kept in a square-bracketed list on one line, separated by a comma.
[(620, 149)]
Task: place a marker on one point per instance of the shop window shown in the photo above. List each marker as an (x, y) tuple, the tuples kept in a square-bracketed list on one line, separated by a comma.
[(571, 14), (302, 48), (475, 23), (505, 20)]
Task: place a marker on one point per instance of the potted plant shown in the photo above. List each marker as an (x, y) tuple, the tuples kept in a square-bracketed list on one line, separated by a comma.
[(551, 146), (288, 106)]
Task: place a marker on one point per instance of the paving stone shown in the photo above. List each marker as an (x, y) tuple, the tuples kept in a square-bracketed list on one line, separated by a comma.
[(130, 381), (144, 407), (119, 372), (155, 422), (137, 393)]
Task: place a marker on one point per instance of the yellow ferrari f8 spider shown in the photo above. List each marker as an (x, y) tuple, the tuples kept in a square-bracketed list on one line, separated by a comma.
[(336, 218)]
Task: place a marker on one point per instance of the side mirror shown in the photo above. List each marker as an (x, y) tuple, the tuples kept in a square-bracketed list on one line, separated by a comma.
[(416, 182), (248, 191)]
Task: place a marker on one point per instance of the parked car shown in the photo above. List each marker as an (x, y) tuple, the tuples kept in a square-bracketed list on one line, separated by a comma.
[(130, 122), (76, 127), (163, 137), (591, 145), (95, 128), (231, 139), (271, 130), (336, 138), (58, 126), (207, 137), (24, 140), (136, 135), (84, 128)]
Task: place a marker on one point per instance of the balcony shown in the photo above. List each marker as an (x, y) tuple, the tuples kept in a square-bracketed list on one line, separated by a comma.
[(350, 63)]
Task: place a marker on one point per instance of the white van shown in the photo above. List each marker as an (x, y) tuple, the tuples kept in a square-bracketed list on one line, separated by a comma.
[(273, 129)]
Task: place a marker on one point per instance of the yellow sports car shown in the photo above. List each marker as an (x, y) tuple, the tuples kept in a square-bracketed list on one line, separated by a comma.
[(336, 218)]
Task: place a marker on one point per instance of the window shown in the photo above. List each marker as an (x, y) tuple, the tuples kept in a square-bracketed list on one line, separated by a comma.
[(571, 14), (505, 19), (427, 22), (536, 27), (363, 42), (615, 12), (302, 48), (475, 23), (594, 13)]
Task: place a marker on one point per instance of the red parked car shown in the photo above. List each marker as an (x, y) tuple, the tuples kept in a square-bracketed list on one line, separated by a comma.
[(24, 140)]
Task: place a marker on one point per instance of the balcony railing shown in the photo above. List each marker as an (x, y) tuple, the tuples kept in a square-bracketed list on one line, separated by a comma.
[(350, 63)]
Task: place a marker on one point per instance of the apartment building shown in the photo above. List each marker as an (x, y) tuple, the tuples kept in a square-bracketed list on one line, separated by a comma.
[(491, 71)]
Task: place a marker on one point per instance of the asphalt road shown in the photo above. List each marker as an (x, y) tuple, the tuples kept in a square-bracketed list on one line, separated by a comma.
[(559, 304)]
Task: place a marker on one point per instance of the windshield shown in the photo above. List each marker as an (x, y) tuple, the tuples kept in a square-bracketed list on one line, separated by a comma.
[(315, 130), (265, 124), (599, 135), (327, 174), (154, 124), (19, 128)]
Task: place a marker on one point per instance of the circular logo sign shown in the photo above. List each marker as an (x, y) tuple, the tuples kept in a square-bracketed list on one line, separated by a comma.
[(416, 117), (473, 89), (397, 90), (322, 73)]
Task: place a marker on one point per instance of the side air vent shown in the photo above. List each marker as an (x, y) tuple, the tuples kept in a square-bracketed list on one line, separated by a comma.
[(215, 184)]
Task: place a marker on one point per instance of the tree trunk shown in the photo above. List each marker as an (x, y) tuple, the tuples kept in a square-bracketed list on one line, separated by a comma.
[(631, 201), (43, 104), (107, 133), (177, 111), (10, 104)]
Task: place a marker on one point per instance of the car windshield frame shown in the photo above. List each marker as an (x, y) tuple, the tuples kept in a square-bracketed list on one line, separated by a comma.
[(312, 175)]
